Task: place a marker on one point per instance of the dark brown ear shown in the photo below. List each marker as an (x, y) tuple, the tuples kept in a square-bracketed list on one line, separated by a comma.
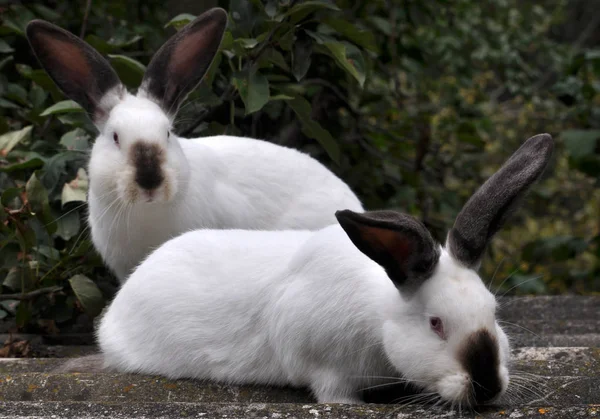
[(489, 207), (77, 69), (179, 65), (398, 242)]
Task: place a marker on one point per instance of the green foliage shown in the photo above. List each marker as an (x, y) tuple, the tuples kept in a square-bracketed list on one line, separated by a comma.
[(413, 103)]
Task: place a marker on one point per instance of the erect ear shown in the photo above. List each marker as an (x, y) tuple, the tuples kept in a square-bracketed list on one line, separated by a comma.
[(488, 209), (179, 65), (77, 69), (397, 242)]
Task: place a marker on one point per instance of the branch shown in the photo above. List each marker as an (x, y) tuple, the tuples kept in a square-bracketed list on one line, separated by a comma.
[(86, 15), (30, 295)]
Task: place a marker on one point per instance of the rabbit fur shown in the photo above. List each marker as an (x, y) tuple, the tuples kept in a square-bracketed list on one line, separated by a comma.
[(336, 310), (148, 185)]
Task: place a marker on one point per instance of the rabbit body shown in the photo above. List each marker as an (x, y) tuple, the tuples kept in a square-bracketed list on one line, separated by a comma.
[(289, 308), (214, 305), (146, 184), (219, 182)]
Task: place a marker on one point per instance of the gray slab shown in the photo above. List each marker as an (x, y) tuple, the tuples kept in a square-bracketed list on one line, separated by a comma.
[(554, 376), (81, 410)]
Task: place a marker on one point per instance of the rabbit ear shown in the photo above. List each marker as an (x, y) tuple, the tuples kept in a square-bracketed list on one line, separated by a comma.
[(488, 209), (179, 65), (77, 69), (397, 242)]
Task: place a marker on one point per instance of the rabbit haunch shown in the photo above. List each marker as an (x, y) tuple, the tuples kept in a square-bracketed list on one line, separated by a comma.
[(334, 310), (146, 184)]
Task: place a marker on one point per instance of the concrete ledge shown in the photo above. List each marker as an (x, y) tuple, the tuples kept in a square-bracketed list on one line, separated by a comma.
[(75, 410), (552, 376), (555, 370)]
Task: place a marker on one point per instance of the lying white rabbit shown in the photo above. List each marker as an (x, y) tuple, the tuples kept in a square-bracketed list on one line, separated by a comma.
[(146, 184), (333, 310)]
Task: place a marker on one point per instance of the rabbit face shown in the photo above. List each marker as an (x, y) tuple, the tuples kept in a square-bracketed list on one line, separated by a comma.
[(136, 156), (458, 350)]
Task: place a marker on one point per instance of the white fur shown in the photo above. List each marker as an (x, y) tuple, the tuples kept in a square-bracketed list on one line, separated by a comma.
[(293, 308), (220, 182)]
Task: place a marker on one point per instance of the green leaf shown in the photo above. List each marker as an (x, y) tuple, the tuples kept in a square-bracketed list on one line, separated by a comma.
[(16, 93), (254, 90), (382, 24), (275, 57), (360, 37), (9, 140), (76, 139), (179, 21), (10, 306), (349, 58), (3, 314), (48, 252), (12, 280), (5, 61), (34, 163), (88, 294), (130, 71), (8, 195), (280, 97), (65, 106), (37, 96), (45, 12), (301, 58), (313, 129), (67, 225), (37, 196), (4, 47), (247, 43), (40, 77), (300, 11), (76, 190), (121, 42), (580, 143)]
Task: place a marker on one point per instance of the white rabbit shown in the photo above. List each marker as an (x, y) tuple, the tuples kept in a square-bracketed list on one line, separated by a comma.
[(146, 184), (334, 310)]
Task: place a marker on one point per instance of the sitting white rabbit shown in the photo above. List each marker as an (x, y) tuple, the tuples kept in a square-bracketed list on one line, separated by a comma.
[(146, 184), (334, 310)]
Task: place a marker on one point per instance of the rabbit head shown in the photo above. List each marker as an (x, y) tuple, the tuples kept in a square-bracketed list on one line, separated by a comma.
[(135, 156), (440, 331)]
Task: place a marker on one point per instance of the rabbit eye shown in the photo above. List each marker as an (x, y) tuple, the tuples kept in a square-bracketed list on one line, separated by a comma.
[(116, 138), (437, 326)]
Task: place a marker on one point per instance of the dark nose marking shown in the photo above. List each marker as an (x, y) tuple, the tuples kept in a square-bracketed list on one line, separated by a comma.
[(147, 159), (480, 357)]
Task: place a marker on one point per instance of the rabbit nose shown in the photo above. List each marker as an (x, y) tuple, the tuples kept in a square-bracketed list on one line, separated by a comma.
[(481, 360), (485, 394), (147, 159)]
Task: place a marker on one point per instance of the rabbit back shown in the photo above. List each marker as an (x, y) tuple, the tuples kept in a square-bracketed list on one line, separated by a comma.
[(195, 308), (246, 307)]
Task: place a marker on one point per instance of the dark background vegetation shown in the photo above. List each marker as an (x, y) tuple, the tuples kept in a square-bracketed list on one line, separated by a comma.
[(413, 103)]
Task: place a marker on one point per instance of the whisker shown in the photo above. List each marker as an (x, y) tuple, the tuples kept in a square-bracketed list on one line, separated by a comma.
[(521, 283), (506, 279)]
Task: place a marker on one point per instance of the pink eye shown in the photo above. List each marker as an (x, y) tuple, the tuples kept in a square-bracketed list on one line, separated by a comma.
[(116, 138), (437, 326)]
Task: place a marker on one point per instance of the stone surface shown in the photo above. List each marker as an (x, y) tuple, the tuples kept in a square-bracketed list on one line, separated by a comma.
[(555, 373), (552, 376), (80, 410)]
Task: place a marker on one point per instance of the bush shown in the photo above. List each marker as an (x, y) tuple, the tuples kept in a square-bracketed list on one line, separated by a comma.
[(412, 103)]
